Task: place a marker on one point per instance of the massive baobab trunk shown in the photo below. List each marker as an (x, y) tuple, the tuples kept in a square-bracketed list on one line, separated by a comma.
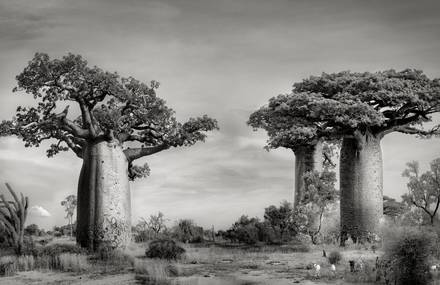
[(104, 196), (361, 184), (307, 158)]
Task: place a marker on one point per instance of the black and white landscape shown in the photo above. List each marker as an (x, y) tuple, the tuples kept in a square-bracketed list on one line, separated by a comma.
[(219, 142)]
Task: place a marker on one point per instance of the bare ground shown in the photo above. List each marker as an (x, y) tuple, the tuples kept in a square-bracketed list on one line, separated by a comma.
[(214, 266)]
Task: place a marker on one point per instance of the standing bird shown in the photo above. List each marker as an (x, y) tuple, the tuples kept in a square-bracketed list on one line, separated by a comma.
[(333, 269), (317, 269)]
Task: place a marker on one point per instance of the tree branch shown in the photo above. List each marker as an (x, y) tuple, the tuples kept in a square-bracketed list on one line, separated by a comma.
[(413, 131), (135, 153), (86, 117), (75, 130), (73, 146)]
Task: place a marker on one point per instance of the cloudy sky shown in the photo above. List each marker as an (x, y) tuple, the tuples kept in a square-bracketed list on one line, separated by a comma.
[(222, 58)]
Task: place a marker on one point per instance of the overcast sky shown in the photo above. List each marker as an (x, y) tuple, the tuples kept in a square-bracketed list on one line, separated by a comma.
[(221, 58)]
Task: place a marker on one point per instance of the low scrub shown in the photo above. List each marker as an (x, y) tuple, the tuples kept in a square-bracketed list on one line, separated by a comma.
[(155, 271), (57, 249), (67, 262), (113, 259), (164, 249), (409, 251), (334, 257)]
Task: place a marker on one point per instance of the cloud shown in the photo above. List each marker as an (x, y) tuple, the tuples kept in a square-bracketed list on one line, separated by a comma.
[(39, 211), (222, 58)]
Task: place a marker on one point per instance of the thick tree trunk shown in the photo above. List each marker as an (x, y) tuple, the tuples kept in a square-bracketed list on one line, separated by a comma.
[(104, 205), (307, 158), (361, 184)]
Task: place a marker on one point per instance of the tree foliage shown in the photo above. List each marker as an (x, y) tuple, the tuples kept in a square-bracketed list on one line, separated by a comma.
[(424, 189), (379, 102), (320, 193), (32, 229), (187, 231), (393, 208), (151, 228), (281, 219), (331, 106), (69, 204), (111, 108)]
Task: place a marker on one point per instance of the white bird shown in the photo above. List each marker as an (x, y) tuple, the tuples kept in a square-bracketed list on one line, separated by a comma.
[(333, 270), (317, 269), (434, 267)]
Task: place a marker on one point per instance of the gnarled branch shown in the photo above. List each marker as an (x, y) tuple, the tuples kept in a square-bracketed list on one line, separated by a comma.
[(135, 153)]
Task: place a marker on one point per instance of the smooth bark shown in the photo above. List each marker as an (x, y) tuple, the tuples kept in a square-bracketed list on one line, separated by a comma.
[(361, 186), (307, 158), (104, 205)]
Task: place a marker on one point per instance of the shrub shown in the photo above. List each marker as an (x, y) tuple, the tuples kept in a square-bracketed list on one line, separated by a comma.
[(334, 257), (72, 262), (32, 229), (155, 271), (187, 231), (63, 262), (113, 257), (165, 249), (57, 249), (245, 230), (410, 249)]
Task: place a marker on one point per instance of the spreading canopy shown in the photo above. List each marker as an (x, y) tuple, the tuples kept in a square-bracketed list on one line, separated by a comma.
[(302, 118), (112, 108), (334, 105), (391, 100)]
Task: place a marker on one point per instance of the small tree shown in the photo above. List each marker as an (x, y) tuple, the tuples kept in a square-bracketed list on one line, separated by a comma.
[(187, 231), (32, 229), (393, 208), (280, 219), (320, 193), (245, 230), (13, 217), (69, 205), (154, 225), (424, 189), (157, 223)]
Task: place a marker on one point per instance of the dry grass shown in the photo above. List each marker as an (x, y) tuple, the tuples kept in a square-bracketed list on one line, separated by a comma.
[(73, 262), (63, 262), (155, 271), (212, 255)]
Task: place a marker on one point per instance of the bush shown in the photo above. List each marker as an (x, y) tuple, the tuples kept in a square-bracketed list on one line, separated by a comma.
[(57, 249), (334, 257), (187, 231), (165, 249), (113, 257), (32, 229), (63, 262), (409, 250)]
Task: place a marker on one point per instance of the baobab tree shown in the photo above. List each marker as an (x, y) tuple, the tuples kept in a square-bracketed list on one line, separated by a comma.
[(289, 123), (283, 123), (390, 101), (121, 120)]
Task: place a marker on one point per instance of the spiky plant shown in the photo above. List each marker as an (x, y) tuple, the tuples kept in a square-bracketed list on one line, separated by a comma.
[(13, 216)]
